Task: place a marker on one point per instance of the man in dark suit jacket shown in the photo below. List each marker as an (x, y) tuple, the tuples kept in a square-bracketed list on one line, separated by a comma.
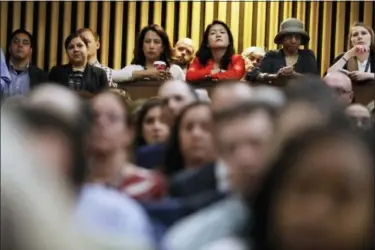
[(23, 75)]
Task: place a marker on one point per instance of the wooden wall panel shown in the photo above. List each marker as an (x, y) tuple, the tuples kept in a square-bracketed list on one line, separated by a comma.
[(252, 23)]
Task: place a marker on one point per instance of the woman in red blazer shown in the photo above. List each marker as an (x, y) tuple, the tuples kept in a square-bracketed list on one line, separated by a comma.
[(215, 59)]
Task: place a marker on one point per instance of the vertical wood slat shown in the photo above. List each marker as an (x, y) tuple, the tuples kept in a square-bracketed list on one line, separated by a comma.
[(222, 6), (209, 13), (235, 23), (196, 19), (183, 24), (368, 13), (314, 20), (16, 15), (354, 12), (157, 12), (29, 16), (144, 13), (339, 28), (5, 23), (248, 24), (301, 8), (130, 36), (261, 29), (326, 46), (287, 12), (93, 21), (81, 16), (118, 35), (53, 35), (170, 20), (273, 25), (66, 28), (106, 14), (41, 34)]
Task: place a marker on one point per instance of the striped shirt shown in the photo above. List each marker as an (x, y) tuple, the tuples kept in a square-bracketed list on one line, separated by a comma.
[(108, 71)]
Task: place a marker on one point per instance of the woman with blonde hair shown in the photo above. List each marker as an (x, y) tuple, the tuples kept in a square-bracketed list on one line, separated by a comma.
[(358, 62)]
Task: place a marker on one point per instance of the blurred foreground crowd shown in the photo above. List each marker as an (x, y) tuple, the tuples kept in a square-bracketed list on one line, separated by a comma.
[(251, 168), (243, 167)]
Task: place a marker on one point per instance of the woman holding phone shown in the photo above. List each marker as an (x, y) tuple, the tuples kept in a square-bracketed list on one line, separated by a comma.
[(152, 58), (359, 61), (290, 60)]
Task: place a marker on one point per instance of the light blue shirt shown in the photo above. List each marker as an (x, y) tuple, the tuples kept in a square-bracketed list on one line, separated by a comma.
[(20, 84), (103, 210), (4, 73)]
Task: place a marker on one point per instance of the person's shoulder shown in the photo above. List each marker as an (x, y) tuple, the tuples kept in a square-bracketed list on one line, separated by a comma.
[(36, 69), (151, 149), (272, 53), (307, 52)]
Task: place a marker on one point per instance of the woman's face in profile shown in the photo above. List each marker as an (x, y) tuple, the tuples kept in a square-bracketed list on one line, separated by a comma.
[(326, 200)]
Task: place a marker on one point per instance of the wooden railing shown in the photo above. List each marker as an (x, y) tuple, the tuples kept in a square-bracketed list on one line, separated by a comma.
[(364, 92)]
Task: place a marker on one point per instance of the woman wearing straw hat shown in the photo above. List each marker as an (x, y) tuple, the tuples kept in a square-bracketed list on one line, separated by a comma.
[(289, 61)]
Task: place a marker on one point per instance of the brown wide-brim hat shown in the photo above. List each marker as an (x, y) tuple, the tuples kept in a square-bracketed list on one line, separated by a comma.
[(290, 26)]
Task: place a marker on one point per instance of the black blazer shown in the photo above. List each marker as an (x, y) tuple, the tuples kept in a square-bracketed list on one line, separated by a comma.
[(37, 76), (95, 79), (275, 60)]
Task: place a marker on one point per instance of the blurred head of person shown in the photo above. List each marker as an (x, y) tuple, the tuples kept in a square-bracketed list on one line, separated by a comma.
[(242, 133), (318, 194), (309, 103), (35, 202), (342, 85), (183, 52), (93, 43), (227, 94), (190, 144), (252, 57), (20, 46), (175, 95), (55, 142), (217, 36), (361, 34), (360, 115), (150, 128), (152, 45), (76, 47), (112, 128)]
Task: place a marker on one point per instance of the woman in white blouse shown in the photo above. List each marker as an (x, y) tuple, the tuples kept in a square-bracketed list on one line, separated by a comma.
[(359, 61), (152, 45)]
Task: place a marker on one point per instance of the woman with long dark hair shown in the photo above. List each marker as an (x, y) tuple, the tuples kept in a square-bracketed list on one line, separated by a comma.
[(190, 144), (152, 45), (216, 58), (150, 128)]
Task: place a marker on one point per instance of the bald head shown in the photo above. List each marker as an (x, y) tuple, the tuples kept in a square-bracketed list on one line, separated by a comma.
[(57, 99), (227, 95), (184, 52), (341, 84), (360, 115), (175, 95)]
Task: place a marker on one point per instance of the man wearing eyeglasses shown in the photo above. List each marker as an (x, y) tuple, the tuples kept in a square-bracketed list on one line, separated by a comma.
[(342, 85), (23, 75)]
